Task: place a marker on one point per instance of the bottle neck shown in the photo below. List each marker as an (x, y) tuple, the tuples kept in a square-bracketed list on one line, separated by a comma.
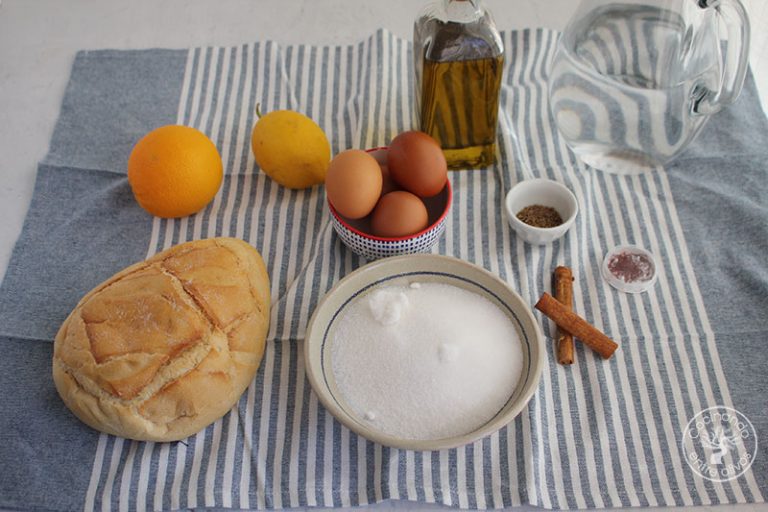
[(463, 11)]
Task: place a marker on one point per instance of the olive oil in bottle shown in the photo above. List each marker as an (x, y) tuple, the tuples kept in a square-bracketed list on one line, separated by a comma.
[(459, 58)]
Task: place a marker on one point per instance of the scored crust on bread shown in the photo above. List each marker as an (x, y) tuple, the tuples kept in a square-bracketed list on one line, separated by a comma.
[(165, 347)]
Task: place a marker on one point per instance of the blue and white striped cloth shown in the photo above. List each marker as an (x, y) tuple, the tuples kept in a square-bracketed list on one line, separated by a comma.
[(596, 434)]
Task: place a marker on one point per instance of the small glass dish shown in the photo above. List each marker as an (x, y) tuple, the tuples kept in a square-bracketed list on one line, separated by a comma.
[(629, 268)]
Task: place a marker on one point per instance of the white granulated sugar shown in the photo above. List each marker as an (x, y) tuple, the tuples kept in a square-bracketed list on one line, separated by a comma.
[(387, 305), (425, 360)]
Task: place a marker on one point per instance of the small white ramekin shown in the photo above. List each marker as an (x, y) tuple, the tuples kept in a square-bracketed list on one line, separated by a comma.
[(546, 193)]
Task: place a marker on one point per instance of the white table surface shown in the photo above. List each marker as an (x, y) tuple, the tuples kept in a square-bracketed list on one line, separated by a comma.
[(39, 38)]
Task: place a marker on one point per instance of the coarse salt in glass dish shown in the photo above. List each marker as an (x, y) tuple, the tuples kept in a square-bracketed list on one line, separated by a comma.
[(629, 268)]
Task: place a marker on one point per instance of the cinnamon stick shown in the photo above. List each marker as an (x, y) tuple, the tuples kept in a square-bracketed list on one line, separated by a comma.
[(564, 294), (577, 326)]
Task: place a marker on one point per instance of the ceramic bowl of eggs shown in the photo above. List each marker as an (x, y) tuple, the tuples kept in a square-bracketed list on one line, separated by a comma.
[(392, 200)]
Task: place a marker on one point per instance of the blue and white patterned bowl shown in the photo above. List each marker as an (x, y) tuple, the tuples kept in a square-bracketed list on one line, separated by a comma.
[(319, 339), (370, 247)]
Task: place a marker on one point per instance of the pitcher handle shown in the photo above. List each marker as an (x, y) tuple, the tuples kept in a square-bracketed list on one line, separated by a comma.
[(736, 58)]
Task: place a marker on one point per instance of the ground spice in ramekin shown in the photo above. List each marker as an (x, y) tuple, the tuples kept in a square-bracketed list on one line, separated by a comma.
[(540, 216)]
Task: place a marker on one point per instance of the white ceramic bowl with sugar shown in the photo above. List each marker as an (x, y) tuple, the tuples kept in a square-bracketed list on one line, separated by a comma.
[(319, 338), (546, 193)]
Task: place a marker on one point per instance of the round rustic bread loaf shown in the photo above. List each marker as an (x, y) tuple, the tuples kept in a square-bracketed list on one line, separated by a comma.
[(165, 347)]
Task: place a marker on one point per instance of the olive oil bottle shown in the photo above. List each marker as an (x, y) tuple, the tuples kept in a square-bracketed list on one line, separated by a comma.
[(459, 59)]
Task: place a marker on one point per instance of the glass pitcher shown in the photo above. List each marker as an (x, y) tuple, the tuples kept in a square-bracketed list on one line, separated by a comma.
[(632, 83)]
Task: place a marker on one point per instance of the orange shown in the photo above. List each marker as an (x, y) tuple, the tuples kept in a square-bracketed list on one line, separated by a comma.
[(174, 171)]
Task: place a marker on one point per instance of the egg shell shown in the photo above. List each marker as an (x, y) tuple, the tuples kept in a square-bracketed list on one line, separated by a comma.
[(417, 163), (353, 183), (380, 154), (388, 184), (398, 214)]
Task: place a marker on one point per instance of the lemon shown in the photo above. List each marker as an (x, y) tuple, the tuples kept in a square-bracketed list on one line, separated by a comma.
[(291, 149)]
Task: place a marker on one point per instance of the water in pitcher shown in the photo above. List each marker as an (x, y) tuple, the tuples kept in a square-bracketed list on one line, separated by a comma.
[(625, 82)]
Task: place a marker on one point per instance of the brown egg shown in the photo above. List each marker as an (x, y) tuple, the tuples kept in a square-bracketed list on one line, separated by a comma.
[(417, 163), (397, 214), (388, 184), (353, 183), (380, 155)]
